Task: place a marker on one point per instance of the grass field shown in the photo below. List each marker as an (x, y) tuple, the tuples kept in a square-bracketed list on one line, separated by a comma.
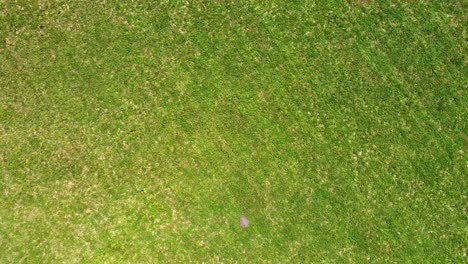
[(141, 131)]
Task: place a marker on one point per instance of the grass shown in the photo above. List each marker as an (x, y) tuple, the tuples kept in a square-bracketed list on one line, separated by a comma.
[(141, 131)]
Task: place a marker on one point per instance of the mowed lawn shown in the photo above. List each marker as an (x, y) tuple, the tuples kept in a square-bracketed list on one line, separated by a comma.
[(141, 131)]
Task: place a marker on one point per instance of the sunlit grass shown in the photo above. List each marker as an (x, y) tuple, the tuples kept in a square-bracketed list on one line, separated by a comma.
[(141, 131)]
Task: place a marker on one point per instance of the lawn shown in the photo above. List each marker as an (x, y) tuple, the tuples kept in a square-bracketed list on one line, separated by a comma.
[(141, 131)]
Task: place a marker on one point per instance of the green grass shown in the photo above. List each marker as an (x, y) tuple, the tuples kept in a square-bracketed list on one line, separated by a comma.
[(141, 131)]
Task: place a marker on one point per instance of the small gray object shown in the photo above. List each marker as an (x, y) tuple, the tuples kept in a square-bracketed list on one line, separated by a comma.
[(244, 222)]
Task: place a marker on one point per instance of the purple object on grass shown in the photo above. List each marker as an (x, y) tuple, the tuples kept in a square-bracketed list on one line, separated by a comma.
[(244, 222)]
